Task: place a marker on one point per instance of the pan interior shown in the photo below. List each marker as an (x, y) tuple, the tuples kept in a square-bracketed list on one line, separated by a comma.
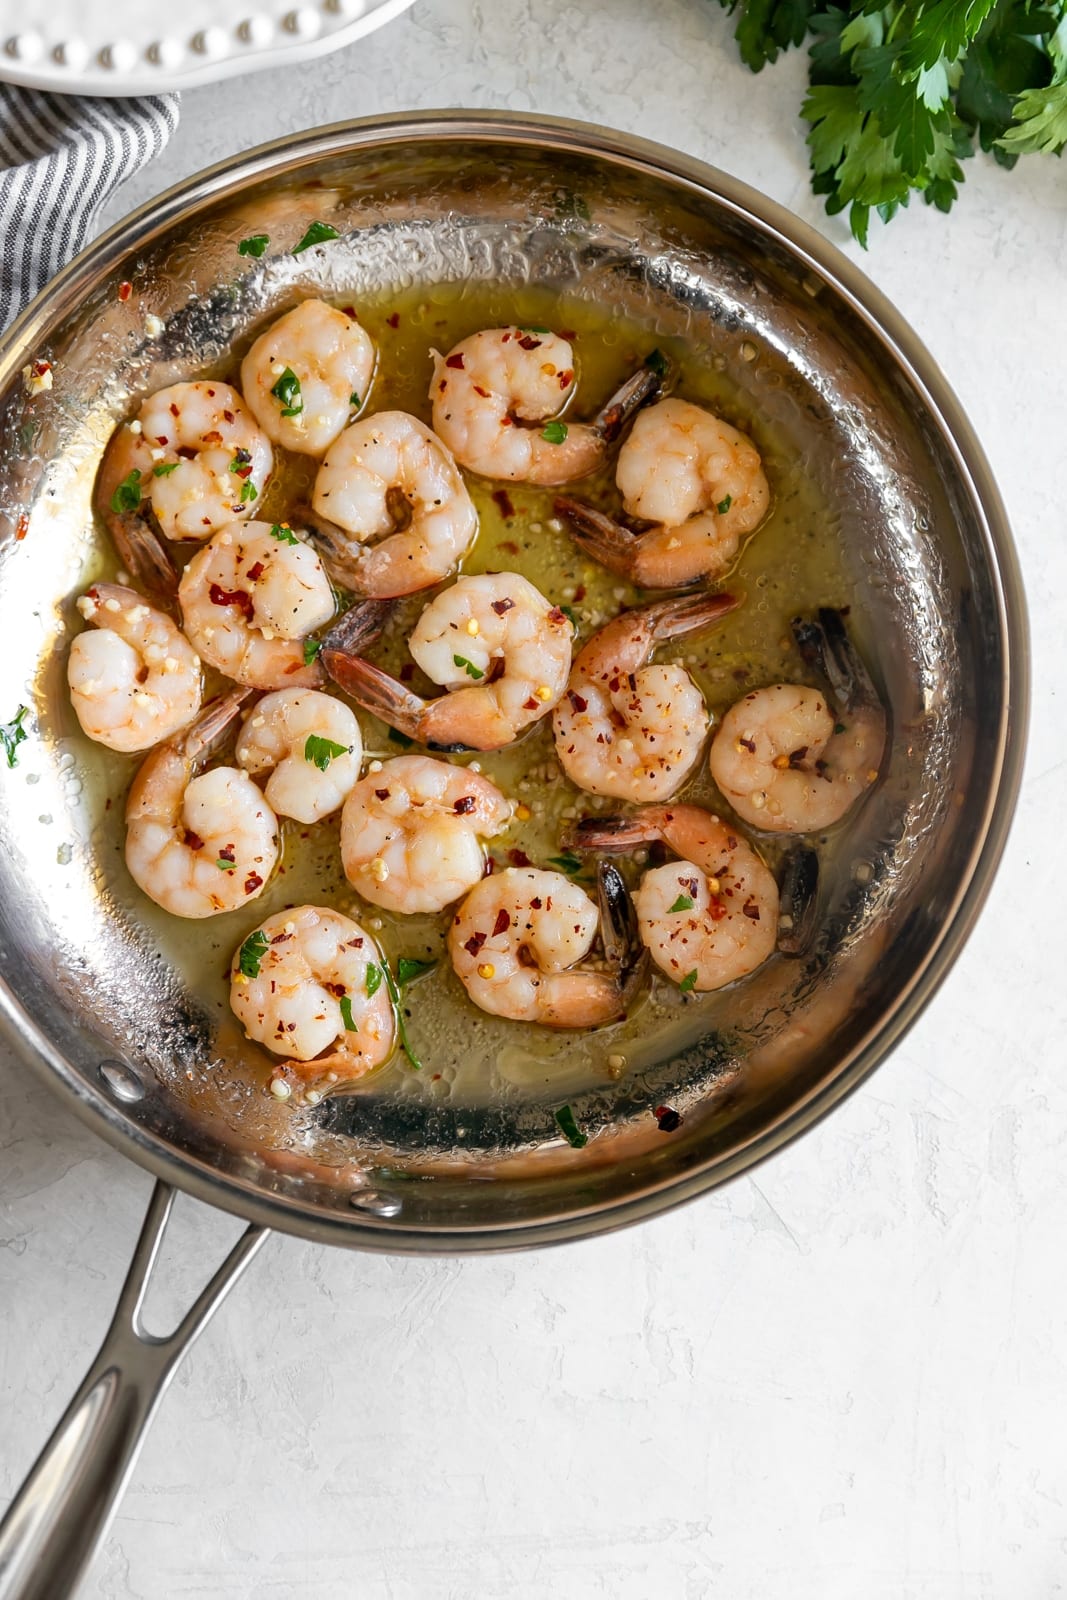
[(85, 964)]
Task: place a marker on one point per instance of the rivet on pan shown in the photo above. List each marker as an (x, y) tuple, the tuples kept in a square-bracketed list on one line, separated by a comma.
[(122, 1081), (379, 1205)]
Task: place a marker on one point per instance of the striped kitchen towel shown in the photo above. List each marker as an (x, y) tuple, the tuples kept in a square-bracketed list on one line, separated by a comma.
[(61, 157)]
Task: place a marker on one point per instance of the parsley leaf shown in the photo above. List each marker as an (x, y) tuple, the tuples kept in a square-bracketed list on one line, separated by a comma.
[(252, 952), (468, 666), (12, 734), (372, 979), (164, 469), (311, 648), (554, 432), (318, 233), (284, 535), (1040, 121), (565, 1121), (320, 752), (287, 392), (567, 863), (254, 245), (408, 969), (351, 1025), (689, 981), (127, 497), (354, 400), (724, 504), (684, 902), (249, 492)]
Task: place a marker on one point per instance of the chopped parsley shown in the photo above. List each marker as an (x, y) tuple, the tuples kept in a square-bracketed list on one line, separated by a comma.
[(351, 1025), (249, 492), (525, 329), (468, 666), (254, 245), (408, 969), (320, 752), (689, 981), (311, 647), (566, 863), (127, 497), (164, 469), (554, 432), (12, 734), (724, 504), (571, 616), (354, 400), (372, 980), (287, 392), (401, 1028), (565, 1121), (252, 952), (318, 233), (684, 902), (226, 866), (283, 533)]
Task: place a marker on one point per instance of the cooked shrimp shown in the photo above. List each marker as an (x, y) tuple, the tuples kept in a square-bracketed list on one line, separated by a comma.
[(707, 919), (498, 397), (784, 759), (309, 981), (134, 679), (311, 745), (411, 833), (517, 940), (627, 728), (383, 471), (494, 643), (198, 844), (308, 375), (250, 598), (195, 453), (700, 483)]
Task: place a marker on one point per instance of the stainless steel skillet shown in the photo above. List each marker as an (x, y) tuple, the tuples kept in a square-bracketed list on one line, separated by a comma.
[(436, 199)]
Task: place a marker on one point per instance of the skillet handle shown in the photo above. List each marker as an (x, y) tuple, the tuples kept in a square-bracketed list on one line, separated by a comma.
[(65, 1506)]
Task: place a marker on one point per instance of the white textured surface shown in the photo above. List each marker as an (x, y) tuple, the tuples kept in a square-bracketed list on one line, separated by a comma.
[(842, 1380)]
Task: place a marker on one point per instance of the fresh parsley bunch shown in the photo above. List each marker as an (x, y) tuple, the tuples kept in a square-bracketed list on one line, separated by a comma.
[(899, 94)]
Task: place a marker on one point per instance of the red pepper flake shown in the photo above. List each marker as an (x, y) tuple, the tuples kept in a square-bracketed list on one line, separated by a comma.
[(504, 502), (528, 342), (749, 745), (455, 361), (474, 943), (253, 882), (193, 840), (228, 853), (381, 794), (502, 607), (483, 392), (716, 910), (350, 311), (125, 290), (579, 594), (232, 597), (667, 1118), (740, 673), (502, 923), (557, 616), (506, 421), (578, 701), (256, 571), (394, 320), (751, 910), (213, 436), (569, 335), (228, 415), (512, 549), (566, 379), (518, 858), (173, 409), (531, 704), (22, 526), (535, 903), (466, 803)]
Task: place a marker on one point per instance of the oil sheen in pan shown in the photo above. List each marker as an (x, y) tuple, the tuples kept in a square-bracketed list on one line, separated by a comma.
[(793, 564)]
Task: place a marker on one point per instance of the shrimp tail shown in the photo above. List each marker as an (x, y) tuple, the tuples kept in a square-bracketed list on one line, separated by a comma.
[(339, 550), (359, 627), (682, 614), (212, 723), (612, 835), (798, 893), (619, 932), (824, 643), (599, 535), (376, 691), (143, 553), (650, 382)]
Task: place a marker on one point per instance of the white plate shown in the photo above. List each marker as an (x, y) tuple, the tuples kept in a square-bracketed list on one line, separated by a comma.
[(143, 46)]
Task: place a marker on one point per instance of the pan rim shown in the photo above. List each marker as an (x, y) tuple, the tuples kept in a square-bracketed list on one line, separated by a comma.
[(359, 1230)]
